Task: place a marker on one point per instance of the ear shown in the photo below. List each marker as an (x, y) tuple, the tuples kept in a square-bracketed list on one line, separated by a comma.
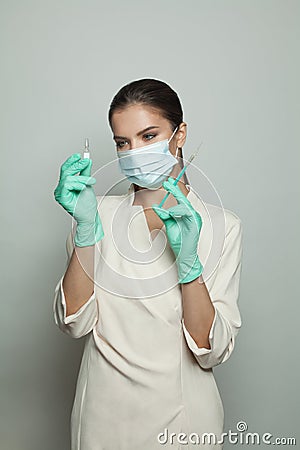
[(181, 135)]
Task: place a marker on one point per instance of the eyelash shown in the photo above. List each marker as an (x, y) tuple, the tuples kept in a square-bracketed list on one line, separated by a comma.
[(122, 144), (153, 135)]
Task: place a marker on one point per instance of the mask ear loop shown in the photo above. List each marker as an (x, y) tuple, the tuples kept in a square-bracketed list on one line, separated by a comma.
[(177, 148), (172, 134)]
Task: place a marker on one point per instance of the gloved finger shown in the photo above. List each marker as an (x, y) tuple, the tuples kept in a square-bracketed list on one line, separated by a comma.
[(175, 191), (76, 166), (81, 179), (180, 210), (74, 186), (87, 170), (161, 212), (69, 162)]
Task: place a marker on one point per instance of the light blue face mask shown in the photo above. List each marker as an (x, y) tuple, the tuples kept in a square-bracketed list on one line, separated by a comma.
[(150, 165)]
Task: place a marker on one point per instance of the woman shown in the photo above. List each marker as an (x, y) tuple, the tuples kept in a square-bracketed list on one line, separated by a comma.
[(154, 329)]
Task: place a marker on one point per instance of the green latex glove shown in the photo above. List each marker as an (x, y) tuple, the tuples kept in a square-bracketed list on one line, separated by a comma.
[(183, 225), (76, 195)]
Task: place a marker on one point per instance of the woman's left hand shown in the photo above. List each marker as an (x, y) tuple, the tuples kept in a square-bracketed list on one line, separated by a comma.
[(183, 225)]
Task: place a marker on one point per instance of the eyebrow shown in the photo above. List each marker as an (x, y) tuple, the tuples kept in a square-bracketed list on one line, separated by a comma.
[(139, 133)]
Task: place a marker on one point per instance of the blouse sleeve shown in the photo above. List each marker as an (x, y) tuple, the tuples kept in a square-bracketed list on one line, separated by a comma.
[(84, 319), (224, 295)]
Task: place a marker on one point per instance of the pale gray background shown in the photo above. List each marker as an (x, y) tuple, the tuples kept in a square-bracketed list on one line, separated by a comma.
[(235, 65)]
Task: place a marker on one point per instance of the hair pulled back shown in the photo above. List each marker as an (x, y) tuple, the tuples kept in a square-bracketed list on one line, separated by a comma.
[(150, 92)]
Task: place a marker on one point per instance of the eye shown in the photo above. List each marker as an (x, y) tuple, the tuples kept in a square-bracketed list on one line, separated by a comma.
[(149, 136), (121, 144)]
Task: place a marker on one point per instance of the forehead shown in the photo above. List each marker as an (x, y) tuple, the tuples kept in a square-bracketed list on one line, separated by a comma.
[(134, 118)]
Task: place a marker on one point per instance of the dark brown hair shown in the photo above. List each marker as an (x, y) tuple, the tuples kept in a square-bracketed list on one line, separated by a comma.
[(149, 92)]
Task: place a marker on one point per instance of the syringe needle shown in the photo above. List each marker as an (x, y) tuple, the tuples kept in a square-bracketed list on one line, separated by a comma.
[(181, 173)]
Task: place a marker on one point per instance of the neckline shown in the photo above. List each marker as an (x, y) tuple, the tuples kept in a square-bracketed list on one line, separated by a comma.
[(131, 191), (130, 204)]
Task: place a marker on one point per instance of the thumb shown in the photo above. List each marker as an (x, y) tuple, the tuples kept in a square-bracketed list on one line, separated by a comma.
[(161, 212), (87, 170)]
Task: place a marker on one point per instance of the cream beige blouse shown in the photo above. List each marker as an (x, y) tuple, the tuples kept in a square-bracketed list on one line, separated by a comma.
[(143, 382)]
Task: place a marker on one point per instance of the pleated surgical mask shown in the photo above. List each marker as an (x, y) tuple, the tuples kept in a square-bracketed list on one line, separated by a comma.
[(150, 165)]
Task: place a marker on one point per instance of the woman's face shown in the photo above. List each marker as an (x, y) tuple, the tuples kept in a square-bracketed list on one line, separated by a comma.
[(140, 125)]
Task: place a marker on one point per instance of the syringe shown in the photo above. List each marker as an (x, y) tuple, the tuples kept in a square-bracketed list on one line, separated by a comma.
[(86, 151), (181, 173)]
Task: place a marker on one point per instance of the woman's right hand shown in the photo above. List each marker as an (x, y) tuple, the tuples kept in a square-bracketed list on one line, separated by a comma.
[(76, 195)]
